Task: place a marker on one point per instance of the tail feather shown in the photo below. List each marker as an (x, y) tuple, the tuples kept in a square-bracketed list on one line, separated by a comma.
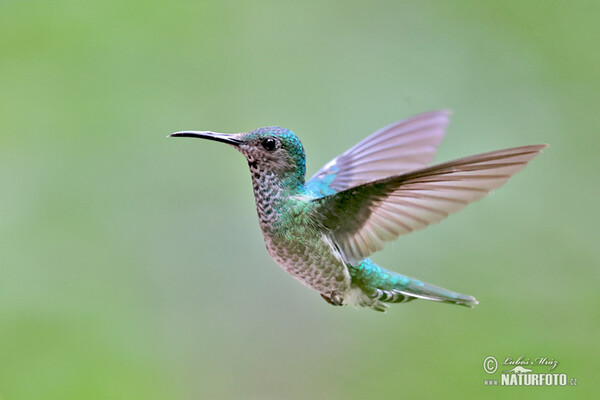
[(380, 286), (427, 291)]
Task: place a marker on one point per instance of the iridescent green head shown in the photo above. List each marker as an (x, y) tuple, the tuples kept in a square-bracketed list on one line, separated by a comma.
[(269, 150)]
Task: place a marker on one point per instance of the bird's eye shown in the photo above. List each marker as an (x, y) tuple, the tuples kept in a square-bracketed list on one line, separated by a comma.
[(269, 144)]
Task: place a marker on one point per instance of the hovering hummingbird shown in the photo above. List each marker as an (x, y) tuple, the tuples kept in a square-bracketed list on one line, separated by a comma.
[(323, 230)]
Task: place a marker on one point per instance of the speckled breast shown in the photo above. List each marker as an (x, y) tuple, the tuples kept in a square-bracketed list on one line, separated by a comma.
[(310, 259), (292, 238)]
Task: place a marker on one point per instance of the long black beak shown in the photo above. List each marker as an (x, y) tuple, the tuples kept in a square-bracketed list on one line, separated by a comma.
[(217, 137)]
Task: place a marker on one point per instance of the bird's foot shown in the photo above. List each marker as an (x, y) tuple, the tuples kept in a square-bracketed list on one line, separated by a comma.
[(333, 298)]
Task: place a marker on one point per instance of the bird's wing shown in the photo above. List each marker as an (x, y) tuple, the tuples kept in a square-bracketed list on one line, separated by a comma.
[(400, 147), (362, 218)]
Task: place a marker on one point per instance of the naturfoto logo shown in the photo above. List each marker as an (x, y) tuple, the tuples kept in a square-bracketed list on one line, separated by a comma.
[(524, 373)]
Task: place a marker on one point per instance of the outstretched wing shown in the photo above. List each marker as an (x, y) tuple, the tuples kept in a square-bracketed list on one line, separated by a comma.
[(400, 147), (362, 218)]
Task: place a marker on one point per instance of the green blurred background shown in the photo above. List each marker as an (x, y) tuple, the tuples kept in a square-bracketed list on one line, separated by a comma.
[(132, 265)]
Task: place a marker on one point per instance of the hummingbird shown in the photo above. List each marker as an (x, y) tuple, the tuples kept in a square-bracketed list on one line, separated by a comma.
[(323, 230)]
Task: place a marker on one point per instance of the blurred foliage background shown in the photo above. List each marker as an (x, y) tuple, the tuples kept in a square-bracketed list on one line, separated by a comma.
[(132, 266)]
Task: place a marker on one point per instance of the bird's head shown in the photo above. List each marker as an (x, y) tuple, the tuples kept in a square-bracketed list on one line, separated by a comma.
[(269, 150)]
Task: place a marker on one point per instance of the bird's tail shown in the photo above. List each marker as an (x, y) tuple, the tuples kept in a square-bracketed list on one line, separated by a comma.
[(382, 286)]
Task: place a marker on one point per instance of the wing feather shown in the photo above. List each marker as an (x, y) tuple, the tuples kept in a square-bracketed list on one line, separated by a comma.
[(400, 147), (362, 218)]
